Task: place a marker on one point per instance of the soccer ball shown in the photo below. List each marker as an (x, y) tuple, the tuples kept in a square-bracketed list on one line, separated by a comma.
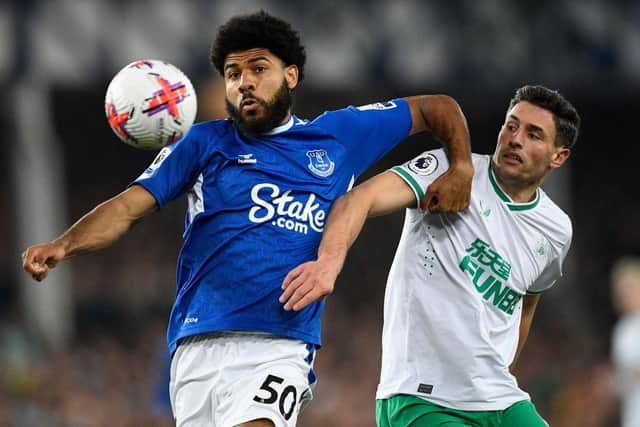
[(150, 104)]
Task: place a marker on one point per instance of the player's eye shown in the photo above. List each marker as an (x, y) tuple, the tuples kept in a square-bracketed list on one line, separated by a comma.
[(512, 127), (233, 75), (535, 136), (260, 69)]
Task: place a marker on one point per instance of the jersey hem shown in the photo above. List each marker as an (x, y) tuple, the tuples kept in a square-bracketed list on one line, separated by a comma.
[(282, 332), (460, 406)]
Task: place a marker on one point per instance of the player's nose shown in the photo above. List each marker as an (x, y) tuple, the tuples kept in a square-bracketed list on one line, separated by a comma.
[(247, 82), (516, 140)]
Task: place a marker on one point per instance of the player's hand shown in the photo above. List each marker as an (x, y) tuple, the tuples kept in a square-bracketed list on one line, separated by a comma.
[(450, 192), (37, 260), (307, 283)]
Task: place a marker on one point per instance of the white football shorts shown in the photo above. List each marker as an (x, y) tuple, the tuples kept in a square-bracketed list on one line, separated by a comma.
[(225, 379)]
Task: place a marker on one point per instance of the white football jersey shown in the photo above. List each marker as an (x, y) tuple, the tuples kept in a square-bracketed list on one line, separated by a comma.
[(454, 293), (626, 360)]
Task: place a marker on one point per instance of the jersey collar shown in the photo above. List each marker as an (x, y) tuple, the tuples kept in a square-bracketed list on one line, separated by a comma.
[(513, 206), (282, 128)]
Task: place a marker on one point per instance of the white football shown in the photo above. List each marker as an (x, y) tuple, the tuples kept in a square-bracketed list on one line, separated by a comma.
[(150, 104)]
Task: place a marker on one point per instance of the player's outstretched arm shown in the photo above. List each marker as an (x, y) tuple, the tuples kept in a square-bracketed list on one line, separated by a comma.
[(529, 305), (441, 114), (313, 280), (97, 229)]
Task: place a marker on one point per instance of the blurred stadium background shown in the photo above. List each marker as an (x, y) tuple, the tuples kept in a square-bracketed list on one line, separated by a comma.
[(87, 348)]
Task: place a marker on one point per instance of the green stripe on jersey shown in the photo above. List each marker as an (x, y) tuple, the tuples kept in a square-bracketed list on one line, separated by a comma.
[(411, 181), (503, 196), (525, 206), (513, 206)]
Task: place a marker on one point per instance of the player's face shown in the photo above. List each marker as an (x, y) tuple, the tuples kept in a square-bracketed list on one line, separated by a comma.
[(258, 89), (526, 150), (626, 294)]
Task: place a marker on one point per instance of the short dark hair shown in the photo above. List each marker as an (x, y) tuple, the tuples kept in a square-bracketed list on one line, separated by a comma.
[(259, 30), (565, 116)]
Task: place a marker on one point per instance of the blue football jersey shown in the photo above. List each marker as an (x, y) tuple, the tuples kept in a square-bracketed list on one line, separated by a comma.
[(256, 209)]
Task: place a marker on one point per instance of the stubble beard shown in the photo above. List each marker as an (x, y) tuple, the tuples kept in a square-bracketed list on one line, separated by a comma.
[(274, 114)]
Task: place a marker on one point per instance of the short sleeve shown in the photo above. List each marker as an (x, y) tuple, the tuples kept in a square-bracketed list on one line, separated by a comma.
[(175, 169), (368, 132), (551, 273), (421, 171)]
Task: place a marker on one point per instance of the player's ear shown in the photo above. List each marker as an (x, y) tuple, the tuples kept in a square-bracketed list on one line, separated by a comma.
[(559, 157), (291, 76)]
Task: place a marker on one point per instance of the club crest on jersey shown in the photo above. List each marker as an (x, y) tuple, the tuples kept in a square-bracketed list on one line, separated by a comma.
[(541, 248), (424, 165), (320, 163)]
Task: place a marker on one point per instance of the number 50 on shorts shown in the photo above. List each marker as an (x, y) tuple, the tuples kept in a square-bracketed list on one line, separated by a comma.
[(286, 397)]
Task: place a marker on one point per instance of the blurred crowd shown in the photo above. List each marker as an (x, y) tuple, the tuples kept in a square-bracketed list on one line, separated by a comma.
[(398, 42)]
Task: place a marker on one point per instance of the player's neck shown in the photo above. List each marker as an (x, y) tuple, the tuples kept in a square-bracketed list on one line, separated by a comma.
[(519, 192), (287, 117)]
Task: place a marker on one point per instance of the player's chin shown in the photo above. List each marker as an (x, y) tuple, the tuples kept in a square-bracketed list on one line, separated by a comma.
[(510, 167), (510, 172), (251, 115)]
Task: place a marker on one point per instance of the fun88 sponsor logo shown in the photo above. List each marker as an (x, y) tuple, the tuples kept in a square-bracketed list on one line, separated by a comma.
[(284, 210)]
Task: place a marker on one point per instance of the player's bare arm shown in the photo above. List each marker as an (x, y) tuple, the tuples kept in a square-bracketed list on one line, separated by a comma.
[(99, 228), (529, 305), (442, 116), (313, 280)]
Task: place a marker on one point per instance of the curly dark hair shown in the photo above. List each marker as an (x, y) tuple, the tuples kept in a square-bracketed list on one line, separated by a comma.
[(565, 116), (259, 30)]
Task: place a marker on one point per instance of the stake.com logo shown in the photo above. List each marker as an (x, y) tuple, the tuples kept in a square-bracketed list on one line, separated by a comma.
[(284, 211)]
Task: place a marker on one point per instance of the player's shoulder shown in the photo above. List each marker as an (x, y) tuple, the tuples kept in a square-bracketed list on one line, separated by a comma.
[(437, 159), (352, 112), (481, 163), (554, 216), (432, 163), (329, 117), (481, 167), (478, 160), (207, 135), (552, 211), (212, 128)]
